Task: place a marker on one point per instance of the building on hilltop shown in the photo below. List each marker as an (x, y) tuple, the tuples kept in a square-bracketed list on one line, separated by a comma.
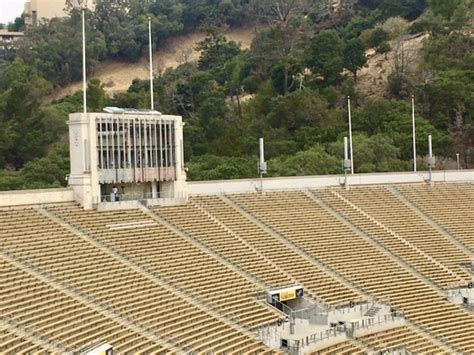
[(120, 159), (9, 39), (36, 10)]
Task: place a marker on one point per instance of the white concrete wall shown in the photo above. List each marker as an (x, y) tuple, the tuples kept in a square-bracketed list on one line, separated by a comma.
[(29, 197), (251, 185)]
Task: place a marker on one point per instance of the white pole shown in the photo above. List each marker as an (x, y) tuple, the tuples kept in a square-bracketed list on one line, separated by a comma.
[(151, 64), (430, 147), (430, 160), (346, 153), (414, 131), (457, 160), (84, 74), (350, 133), (262, 162), (344, 163)]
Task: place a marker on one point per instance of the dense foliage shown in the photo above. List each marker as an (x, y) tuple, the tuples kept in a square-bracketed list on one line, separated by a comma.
[(289, 87)]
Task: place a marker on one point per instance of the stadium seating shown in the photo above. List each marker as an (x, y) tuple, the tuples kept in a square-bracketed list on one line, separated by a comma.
[(420, 262), (52, 249), (386, 208), (316, 231), (189, 275), (445, 203), (314, 278), (407, 337), (345, 348), (57, 316), (214, 236), (10, 342)]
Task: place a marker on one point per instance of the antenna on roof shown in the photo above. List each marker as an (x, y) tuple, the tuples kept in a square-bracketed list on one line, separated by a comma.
[(151, 64)]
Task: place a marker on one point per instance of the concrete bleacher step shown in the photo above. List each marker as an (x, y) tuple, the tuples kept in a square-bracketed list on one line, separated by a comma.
[(440, 344), (395, 234), (88, 301), (322, 202), (32, 335), (194, 298), (430, 220), (364, 347), (311, 258), (274, 267), (406, 246), (197, 243)]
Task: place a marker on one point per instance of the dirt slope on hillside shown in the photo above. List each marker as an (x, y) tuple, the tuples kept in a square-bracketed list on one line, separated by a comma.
[(118, 76), (373, 78)]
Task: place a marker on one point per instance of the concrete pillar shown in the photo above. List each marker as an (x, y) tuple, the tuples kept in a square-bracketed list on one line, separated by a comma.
[(154, 189)]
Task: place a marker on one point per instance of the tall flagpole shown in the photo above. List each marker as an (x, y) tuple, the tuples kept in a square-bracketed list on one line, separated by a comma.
[(151, 65), (350, 132), (84, 78), (414, 130)]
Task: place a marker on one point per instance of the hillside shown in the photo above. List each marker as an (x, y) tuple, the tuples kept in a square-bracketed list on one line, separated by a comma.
[(118, 76), (372, 79), (235, 96)]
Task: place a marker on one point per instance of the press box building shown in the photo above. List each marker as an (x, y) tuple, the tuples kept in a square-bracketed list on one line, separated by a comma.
[(125, 157)]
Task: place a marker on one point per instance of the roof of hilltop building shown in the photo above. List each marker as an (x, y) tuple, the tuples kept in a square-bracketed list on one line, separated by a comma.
[(11, 34)]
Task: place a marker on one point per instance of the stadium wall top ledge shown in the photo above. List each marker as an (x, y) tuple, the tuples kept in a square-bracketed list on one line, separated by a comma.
[(35, 197), (38, 197), (303, 182)]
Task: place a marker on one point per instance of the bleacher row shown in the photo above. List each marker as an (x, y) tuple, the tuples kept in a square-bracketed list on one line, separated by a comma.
[(365, 235)]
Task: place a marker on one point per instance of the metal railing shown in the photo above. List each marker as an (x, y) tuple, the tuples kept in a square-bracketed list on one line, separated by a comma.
[(341, 329), (119, 197)]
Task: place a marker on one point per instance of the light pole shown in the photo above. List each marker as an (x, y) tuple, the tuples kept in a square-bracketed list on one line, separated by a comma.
[(151, 64), (350, 132), (84, 74), (414, 130), (457, 160)]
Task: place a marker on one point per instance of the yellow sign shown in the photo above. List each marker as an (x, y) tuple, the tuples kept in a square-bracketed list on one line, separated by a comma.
[(287, 295)]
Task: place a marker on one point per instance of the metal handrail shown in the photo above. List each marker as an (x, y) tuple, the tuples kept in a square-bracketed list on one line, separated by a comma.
[(119, 197)]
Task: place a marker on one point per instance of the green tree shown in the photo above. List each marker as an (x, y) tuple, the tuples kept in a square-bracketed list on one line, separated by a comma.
[(314, 161), (280, 49), (26, 125), (211, 167), (18, 25), (354, 56), (409, 9), (326, 56), (445, 8), (392, 119), (299, 109), (96, 97), (216, 51), (50, 171), (54, 48)]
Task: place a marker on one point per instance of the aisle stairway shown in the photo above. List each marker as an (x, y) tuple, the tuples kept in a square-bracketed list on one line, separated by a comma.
[(306, 223)]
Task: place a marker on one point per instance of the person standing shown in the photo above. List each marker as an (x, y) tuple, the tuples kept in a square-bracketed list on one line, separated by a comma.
[(115, 193)]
